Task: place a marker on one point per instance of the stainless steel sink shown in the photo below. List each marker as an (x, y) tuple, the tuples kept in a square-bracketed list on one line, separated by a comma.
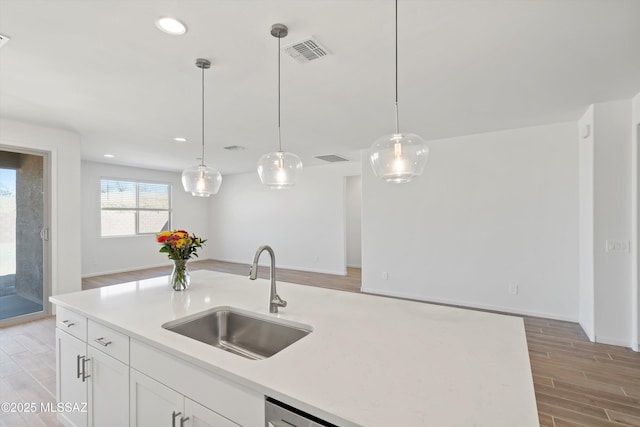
[(239, 332)]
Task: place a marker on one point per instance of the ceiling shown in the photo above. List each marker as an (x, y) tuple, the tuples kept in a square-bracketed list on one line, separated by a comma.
[(101, 68)]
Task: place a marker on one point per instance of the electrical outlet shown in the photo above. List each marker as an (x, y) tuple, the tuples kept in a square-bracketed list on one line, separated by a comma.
[(617, 246), (513, 289), (385, 275)]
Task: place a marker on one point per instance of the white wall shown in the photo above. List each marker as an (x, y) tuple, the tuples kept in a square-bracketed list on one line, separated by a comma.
[(354, 221), (612, 220), (491, 210), (587, 286), (64, 149), (116, 254), (305, 225)]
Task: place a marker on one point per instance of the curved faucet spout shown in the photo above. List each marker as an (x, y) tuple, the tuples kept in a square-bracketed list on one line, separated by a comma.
[(274, 300)]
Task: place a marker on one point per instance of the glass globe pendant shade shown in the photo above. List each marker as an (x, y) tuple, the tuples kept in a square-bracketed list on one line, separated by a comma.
[(279, 170), (399, 157), (201, 181)]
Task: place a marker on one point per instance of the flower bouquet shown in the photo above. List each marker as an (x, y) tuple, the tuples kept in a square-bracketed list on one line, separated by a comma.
[(179, 246)]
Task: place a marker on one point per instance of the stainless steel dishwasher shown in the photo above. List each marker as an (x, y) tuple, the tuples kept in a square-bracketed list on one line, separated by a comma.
[(278, 414)]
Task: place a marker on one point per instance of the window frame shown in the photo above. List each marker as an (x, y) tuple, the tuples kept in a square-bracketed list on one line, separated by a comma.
[(137, 209)]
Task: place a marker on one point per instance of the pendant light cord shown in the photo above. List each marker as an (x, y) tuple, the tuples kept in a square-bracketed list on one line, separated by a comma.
[(396, 104), (202, 159), (279, 131)]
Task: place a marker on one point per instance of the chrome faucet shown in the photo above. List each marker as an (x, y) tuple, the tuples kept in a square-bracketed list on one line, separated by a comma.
[(274, 300)]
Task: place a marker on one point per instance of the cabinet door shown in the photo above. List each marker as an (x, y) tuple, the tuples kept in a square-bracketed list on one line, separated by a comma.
[(70, 388), (153, 404), (199, 416), (108, 391)]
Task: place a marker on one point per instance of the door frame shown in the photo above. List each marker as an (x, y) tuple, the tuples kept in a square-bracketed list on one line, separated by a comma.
[(635, 233)]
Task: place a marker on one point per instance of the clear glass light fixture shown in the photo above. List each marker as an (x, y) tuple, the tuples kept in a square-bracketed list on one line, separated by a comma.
[(201, 180), (279, 169), (399, 157)]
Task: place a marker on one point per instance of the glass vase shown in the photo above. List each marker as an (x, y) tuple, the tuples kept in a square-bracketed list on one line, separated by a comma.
[(180, 278)]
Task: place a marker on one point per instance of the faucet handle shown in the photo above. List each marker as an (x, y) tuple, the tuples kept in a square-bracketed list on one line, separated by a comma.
[(279, 301)]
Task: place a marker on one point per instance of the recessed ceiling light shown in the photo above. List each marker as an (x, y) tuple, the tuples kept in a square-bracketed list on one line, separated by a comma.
[(171, 26), (109, 155), (180, 139)]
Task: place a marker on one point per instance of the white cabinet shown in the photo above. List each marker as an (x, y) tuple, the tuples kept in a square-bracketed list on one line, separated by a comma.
[(109, 384), (203, 417), (123, 382), (71, 384), (88, 375), (152, 403), (238, 404), (155, 405), (108, 394)]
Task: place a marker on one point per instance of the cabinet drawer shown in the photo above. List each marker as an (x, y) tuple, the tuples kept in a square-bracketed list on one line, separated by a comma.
[(115, 344), (72, 323)]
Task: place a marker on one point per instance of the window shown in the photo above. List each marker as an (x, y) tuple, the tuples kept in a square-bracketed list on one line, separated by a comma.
[(129, 208)]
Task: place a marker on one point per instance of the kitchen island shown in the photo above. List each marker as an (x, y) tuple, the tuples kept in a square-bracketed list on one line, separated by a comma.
[(369, 361)]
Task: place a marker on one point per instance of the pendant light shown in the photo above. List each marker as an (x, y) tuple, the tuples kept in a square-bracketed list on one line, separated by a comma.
[(399, 157), (279, 169), (201, 180)]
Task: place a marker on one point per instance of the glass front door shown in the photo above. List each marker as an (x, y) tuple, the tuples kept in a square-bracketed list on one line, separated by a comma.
[(23, 236)]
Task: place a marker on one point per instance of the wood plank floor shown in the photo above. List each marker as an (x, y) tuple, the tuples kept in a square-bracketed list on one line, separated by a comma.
[(350, 282), (577, 383), (28, 371)]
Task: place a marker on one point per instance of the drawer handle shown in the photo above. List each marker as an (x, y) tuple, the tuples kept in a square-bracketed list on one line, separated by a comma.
[(84, 368), (78, 359), (102, 342), (183, 420), (81, 367), (68, 323), (174, 415)]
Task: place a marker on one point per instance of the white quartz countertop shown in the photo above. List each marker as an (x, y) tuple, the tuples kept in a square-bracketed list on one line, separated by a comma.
[(370, 361)]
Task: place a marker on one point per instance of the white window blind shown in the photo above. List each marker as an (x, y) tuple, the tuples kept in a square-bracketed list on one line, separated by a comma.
[(129, 208)]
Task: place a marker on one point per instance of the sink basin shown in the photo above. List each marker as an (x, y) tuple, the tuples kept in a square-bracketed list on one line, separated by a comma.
[(239, 332)]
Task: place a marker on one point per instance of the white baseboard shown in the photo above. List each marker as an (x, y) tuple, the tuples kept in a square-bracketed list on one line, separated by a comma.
[(613, 341), (288, 267), (124, 270), (469, 304), (588, 331)]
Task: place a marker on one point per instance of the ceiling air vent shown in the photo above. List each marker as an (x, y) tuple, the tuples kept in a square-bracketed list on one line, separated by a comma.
[(331, 158), (3, 40), (305, 51), (235, 148)]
